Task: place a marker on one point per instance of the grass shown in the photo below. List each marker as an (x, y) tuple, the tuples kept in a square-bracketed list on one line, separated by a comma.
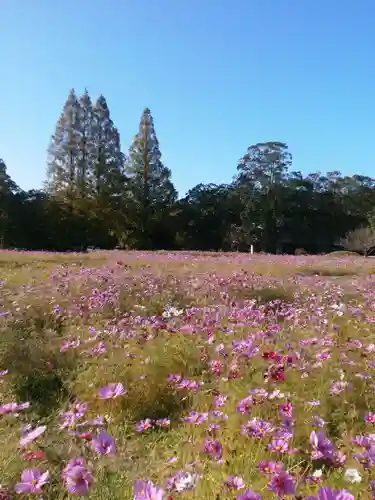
[(182, 333)]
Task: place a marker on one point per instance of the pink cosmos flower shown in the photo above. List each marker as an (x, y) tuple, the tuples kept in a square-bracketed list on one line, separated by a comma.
[(13, 407), (103, 444), (144, 425), (326, 493), (32, 481), (322, 446), (270, 467), (213, 448), (77, 477), (112, 391), (249, 495), (279, 445), (163, 423), (75, 413), (234, 482), (30, 436), (370, 418), (245, 405), (216, 366), (195, 417), (256, 428), (220, 400), (147, 490)]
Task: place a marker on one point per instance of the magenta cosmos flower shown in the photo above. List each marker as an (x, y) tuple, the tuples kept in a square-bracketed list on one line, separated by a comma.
[(77, 477), (270, 467), (282, 484), (326, 493), (213, 448), (144, 425), (32, 481), (286, 409), (147, 490), (112, 391)]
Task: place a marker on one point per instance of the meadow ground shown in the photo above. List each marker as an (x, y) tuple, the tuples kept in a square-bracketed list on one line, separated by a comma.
[(213, 376)]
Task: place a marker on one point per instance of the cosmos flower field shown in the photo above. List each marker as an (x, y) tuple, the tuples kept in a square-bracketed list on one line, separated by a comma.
[(150, 376)]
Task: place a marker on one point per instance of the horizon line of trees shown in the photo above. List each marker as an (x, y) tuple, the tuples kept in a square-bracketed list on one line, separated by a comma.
[(97, 196)]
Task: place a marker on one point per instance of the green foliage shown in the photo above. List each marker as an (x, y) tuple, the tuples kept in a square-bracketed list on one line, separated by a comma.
[(107, 177), (151, 192), (261, 172), (44, 379), (154, 397), (371, 219), (64, 152)]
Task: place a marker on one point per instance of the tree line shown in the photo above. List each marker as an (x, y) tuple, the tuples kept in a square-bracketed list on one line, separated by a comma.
[(97, 196)]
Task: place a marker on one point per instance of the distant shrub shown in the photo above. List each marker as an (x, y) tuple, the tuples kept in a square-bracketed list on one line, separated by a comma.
[(361, 240), (300, 251), (263, 295), (327, 271)]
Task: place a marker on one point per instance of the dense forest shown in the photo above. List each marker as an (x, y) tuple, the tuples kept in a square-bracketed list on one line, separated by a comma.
[(97, 196)]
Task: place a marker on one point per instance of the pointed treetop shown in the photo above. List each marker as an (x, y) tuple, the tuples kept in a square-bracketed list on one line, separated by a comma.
[(101, 101), (7, 185), (85, 98), (72, 96)]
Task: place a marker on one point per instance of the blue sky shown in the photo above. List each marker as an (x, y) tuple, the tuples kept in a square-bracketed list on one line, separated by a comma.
[(218, 75)]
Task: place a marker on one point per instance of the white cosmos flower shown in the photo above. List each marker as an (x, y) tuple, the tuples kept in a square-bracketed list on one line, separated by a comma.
[(186, 481), (352, 476), (276, 394), (317, 473)]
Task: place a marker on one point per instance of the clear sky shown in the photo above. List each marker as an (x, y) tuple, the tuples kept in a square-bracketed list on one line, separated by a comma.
[(218, 75)]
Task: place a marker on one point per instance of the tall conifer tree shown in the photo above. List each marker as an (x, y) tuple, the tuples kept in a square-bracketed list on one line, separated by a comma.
[(151, 188), (64, 152)]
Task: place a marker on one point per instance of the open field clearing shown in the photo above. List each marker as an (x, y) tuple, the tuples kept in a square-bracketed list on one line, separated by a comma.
[(187, 375)]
